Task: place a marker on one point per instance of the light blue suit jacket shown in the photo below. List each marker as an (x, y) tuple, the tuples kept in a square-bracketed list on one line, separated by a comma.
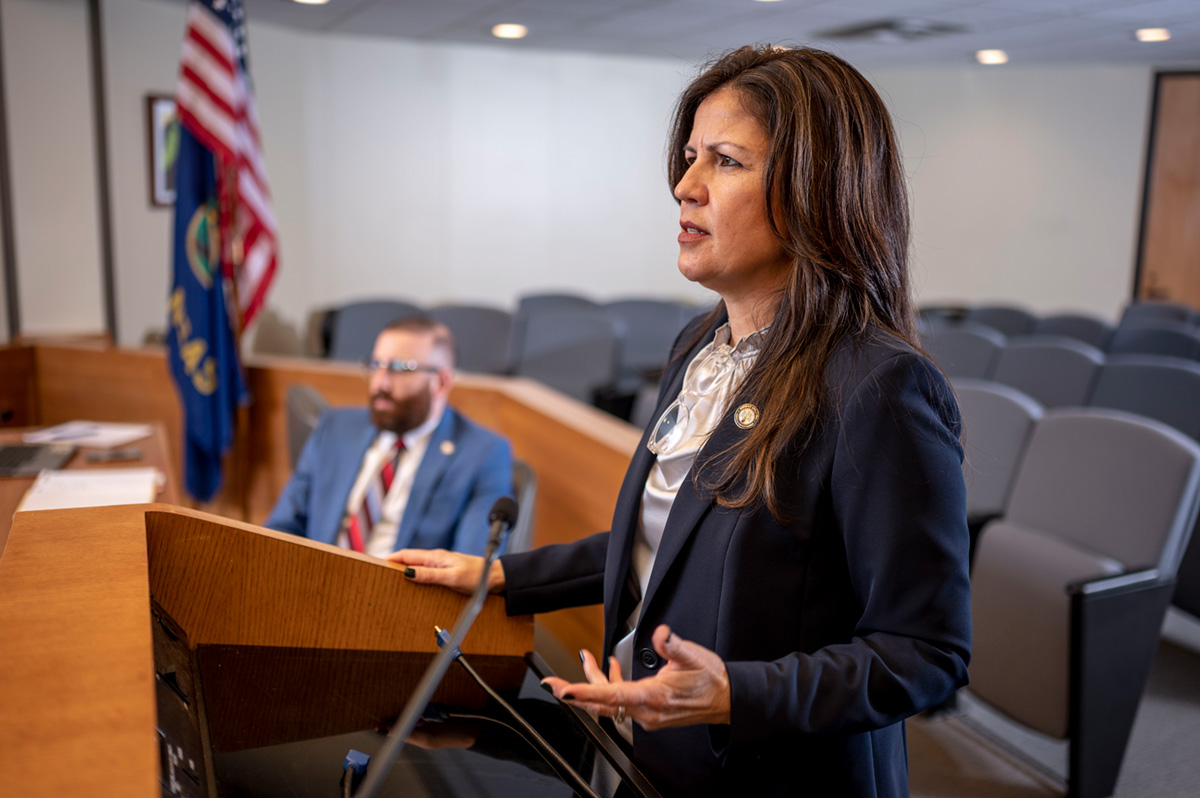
[(454, 489)]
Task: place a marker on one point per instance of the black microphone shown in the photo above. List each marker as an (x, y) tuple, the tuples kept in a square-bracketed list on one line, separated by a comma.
[(502, 516)]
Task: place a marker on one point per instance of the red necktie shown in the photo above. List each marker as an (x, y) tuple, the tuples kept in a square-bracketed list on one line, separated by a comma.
[(358, 527)]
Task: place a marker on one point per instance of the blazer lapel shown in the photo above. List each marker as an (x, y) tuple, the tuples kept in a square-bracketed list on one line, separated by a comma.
[(344, 479), (691, 508), (429, 473), (686, 512)]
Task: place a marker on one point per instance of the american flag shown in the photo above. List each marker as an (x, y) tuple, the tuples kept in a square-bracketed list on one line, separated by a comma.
[(215, 104)]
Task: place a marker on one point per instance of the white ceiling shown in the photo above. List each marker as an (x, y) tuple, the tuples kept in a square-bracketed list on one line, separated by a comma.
[(1031, 31)]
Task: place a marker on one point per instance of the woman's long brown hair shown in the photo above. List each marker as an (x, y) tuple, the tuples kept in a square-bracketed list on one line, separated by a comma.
[(837, 200)]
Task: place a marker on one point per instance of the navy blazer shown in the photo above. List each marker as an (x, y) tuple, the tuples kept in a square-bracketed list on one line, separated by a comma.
[(464, 470), (834, 626)]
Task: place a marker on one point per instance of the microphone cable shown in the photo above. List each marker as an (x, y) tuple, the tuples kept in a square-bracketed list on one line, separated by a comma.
[(502, 516), (552, 757)]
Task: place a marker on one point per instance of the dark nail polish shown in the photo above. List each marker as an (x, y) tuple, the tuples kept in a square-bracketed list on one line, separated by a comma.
[(581, 655), (547, 688), (568, 697), (410, 573)]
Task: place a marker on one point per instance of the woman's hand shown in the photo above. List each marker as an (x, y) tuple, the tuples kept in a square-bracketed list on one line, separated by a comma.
[(693, 687), (450, 569)]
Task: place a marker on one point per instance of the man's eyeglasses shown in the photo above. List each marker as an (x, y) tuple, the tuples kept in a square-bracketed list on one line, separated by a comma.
[(395, 367)]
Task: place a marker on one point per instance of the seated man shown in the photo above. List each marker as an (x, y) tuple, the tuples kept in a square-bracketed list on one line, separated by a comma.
[(407, 472)]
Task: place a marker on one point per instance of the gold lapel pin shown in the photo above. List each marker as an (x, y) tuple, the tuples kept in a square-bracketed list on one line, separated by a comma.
[(746, 416), (447, 447)]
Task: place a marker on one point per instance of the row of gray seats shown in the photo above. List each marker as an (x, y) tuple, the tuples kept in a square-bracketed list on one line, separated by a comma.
[(569, 342), (977, 344), (1162, 389), (1012, 320), (1061, 372), (1071, 579)]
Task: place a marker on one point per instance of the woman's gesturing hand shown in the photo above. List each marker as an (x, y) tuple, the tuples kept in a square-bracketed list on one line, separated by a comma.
[(693, 687), (450, 569)]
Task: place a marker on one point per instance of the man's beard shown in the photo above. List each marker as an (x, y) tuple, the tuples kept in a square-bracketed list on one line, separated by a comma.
[(403, 416)]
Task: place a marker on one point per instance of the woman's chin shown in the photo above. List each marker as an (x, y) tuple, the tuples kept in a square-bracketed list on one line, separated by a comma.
[(695, 272)]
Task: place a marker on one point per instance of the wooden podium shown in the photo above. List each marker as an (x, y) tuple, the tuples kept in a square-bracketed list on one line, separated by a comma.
[(342, 638)]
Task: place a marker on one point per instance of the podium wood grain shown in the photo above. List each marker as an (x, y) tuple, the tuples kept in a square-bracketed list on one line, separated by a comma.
[(77, 688), (77, 707)]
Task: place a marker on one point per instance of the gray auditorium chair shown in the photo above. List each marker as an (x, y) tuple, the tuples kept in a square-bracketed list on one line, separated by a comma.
[(318, 326), (539, 303), (997, 422), (650, 328), (1007, 319), (1057, 372), (275, 335), (525, 492), (1170, 338), (965, 349), (934, 316), (1089, 329), (483, 335), (304, 405), (574, 352), (1168, 390), (1138, 312), (1070, 586), (355, 325)]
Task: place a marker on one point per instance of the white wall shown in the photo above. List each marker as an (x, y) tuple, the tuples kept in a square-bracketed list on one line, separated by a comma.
[(143, 41), (51, 151), (1026, 183), (479, 174), (440, 172), (432, 173)]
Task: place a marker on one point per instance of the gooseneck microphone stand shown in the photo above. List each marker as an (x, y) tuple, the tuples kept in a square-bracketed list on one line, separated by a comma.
[(502, 517)]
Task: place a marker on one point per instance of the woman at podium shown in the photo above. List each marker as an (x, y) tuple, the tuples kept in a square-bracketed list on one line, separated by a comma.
[(785, 579)]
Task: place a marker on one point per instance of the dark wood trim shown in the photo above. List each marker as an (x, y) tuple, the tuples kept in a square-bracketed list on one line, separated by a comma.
[(1147, 176), (7, 228), (100, 126)]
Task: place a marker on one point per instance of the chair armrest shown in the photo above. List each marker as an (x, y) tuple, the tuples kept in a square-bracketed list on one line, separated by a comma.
[(1126, 582), (1115, 623)]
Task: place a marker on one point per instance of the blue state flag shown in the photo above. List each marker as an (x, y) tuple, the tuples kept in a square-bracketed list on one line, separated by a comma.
[(202, 347)]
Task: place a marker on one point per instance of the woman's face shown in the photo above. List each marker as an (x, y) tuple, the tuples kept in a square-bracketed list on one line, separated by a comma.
[(726, 244)]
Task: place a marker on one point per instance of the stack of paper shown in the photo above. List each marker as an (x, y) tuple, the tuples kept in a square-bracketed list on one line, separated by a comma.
[(96, 487), (102, 435)]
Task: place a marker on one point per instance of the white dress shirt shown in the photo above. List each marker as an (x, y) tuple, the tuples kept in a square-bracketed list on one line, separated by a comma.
[(416, 441)]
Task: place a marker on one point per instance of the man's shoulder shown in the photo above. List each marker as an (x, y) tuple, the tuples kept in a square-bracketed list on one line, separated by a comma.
[(343, 420), (462, 427)]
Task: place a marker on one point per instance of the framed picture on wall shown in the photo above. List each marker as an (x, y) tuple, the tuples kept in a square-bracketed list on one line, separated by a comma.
[(163, 128)]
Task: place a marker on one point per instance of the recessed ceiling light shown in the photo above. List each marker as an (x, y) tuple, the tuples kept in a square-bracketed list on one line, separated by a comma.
[(312, 2), (991, 57), (1153, 34), (509, 30)]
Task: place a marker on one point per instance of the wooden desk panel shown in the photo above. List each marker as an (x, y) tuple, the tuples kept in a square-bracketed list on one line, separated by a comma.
[(156, 453), (18, 387), (77, 706)]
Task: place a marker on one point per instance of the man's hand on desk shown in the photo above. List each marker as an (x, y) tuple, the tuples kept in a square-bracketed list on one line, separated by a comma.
[(459, 572)]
